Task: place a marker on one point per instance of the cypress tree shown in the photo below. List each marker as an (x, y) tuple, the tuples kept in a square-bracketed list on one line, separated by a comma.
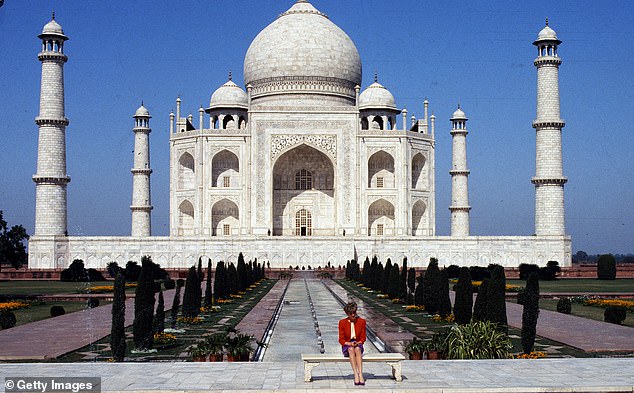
[(241, 273), (208, 295), (176, 302), (463, 305), (159, 318), (403, 289), (190, 305), (144, 307), (529, 298), (232, 279), (444, 302), (200, 278), (418, 293), (431, 287), (200, 269), (496, 299), (220, 281), (250, 276), (365, 273), (411, 284), (394, 282), (374, 270), (480, 306), (117, 331), (380, 272), (385, 280)]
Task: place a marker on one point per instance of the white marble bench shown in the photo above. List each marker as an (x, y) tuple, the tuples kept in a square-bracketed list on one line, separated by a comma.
[(392, 359)]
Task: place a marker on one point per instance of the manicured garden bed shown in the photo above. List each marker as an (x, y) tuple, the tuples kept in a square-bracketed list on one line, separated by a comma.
[(582, 285), (590, 312)]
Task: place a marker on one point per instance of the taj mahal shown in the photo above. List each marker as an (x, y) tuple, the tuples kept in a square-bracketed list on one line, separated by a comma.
[(302, 165)]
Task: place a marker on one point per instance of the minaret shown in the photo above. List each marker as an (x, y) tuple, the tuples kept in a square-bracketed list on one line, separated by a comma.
[(459, 176), (549, 179), (141, 203), (51, 179)]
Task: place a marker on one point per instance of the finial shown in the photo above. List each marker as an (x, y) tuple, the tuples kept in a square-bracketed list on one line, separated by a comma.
[(141, 102), (458, 105), (376, 77), (546, 21), (53, 15), (230, 76)]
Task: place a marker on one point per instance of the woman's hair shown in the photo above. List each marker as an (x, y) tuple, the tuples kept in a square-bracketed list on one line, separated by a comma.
[(350, 308)]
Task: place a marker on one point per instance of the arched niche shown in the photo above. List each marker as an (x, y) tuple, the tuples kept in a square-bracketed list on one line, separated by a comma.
[(225, 218), (225, 168), (381, 170), (381, 218)]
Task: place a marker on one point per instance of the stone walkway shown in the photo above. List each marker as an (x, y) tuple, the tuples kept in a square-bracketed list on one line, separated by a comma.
[(544, 375)]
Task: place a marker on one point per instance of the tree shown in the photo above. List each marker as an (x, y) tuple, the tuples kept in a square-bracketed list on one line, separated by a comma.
[(132, 271), (242, 273), (463, 304), (365, 273), (220, 281), (496, 298), (385, 280), (403, 289), (411, 284), (232, 279), (159, 318), (419, 292), (208, 294), (176, 302), (201, 277), (444, 302), (394, 282), (117, 330), (606, 267), (144, 307), (480, 305), (12, 248), (113, 269), (190, 304), (529, 298), (430, 287)]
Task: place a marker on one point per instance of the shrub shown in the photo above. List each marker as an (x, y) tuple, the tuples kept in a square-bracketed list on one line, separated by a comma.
[(113, 269), (564, 305), (615, 314), (549, 273), (606, 267), (56, 311), (175, 304), (7, 320), (117, 329), (431, 287), (477, 340), (529, 298), (453, 271), (444, 302), (92, 302), (144, 307), (411, 284), (479, 273), (169, 284), (496, 298), (418, 293), (220, 281), (132, 271), (208, 295), (480, 305), (403, 288), (190, 308), (526, 269), (463, 305), (394, 283), (159, 318)]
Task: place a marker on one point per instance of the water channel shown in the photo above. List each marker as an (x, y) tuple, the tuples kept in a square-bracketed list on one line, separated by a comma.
[(308, 310)]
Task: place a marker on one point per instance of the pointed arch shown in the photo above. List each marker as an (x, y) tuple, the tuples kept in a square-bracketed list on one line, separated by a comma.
[(186, 172), (377, 123), (418, 218), (303, 223), (186, 217), (418, 171), (381, 218), (381, 170), (225, 218), (225, 168)]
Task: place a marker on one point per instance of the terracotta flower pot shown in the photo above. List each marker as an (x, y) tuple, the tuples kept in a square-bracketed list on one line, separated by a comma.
[(415, 356), (433, 355), (201, 358), (215, 357)]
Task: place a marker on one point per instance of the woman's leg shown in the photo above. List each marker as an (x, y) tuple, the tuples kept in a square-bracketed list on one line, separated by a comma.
[(353, 362), (358, 358)]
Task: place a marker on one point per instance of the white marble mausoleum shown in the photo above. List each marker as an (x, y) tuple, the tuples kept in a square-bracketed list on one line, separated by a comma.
[(301, 166)]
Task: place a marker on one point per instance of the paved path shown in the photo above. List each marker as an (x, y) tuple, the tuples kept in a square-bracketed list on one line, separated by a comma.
[(53, 337), (544, 375)]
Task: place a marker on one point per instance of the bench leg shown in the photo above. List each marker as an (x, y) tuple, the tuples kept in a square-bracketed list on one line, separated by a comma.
[(308, 370), (396, 371)]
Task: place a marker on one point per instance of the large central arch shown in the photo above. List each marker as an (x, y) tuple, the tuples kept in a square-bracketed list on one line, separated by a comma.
[(304, 179)]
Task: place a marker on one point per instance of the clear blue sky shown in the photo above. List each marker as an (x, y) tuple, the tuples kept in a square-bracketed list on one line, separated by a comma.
[(478, 53)]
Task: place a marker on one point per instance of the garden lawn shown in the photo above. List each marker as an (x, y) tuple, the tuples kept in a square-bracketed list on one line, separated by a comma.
[(582, 285), (42, 310), (590, 312), (423, 321), (42, 287), (229, 316)]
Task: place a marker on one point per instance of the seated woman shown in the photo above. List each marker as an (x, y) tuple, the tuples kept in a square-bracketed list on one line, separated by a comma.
[(351, 338)]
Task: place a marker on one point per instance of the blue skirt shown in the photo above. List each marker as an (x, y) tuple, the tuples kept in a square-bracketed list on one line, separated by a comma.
[(345, 349)]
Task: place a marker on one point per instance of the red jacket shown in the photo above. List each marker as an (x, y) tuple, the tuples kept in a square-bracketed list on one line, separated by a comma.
[(344, 330)]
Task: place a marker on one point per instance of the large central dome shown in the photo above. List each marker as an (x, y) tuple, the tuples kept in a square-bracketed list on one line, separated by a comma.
[(302, 51)]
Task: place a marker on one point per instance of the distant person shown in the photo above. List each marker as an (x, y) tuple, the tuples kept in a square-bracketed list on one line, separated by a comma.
[(351, 338)]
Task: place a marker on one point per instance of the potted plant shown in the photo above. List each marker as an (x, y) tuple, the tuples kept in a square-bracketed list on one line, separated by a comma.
[(199, 352), (238, 347), (415, 349), (436, 348), (215, 345)]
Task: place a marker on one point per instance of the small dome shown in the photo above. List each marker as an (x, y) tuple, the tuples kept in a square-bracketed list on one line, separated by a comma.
[(547, 34), (142, 112), (229, 95), (459, 114), (53, 28), (302, 44), (376, 96)]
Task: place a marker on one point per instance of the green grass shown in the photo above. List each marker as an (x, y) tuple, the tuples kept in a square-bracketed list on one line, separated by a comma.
[(583, 285), (229, 316), (42, 310), (420, 319), (42, 287), (590, 312)]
